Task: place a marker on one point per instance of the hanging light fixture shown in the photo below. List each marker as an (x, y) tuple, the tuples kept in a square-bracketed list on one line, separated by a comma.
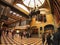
[(34, 6), (34, 11)]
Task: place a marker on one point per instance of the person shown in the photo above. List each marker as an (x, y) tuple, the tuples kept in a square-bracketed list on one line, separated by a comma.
[(27, 34), (13, 33), (52, 36), (7, 31), (21, 34), (0, 35), (4, 27), (48, 39), (57, 37), (43, 38), (24, 33)]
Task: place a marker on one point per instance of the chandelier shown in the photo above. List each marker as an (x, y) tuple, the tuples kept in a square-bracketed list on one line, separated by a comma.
[(34, 6), (34, 11)]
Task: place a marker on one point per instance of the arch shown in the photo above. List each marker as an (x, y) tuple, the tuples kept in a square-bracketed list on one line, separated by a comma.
[(49, 27), (34, 30)]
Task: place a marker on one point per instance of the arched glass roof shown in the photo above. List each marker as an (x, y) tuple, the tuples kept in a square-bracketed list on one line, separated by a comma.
[(23, 7), (33, 3)]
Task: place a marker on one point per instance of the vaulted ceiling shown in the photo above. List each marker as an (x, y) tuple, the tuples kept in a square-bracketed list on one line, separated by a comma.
[(14, 18)]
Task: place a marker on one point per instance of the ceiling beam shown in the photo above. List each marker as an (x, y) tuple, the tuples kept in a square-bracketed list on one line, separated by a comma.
[(14, 22), (13, 8)]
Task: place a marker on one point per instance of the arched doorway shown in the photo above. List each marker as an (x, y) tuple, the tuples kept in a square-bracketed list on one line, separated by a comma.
[(49, 27), (34, 31)]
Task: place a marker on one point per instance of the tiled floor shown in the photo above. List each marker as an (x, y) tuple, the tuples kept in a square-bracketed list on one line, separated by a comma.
[(18, 41)]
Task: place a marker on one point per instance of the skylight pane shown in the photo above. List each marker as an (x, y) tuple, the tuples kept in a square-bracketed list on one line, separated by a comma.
[(21, 6), (14, 13), (11, 11), (31, 3), (27, 2)]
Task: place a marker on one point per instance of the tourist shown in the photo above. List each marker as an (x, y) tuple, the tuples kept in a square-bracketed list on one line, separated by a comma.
[(0, 35), (57, 37)]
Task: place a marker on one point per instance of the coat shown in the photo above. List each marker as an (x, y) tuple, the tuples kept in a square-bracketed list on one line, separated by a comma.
[(56, 38)]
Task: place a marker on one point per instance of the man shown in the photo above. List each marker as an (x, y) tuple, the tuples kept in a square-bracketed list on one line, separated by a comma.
[(49, 37), (57, 37), (0, 34), (43, 38), (21, 34)]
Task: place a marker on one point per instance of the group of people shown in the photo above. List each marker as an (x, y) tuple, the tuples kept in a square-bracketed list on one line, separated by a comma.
[(51, 37), (22, 34), (3, 30), (48, 37)]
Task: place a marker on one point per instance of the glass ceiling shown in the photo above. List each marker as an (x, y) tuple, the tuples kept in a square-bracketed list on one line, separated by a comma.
[(23, 7), (30, 3), (33, 3)]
